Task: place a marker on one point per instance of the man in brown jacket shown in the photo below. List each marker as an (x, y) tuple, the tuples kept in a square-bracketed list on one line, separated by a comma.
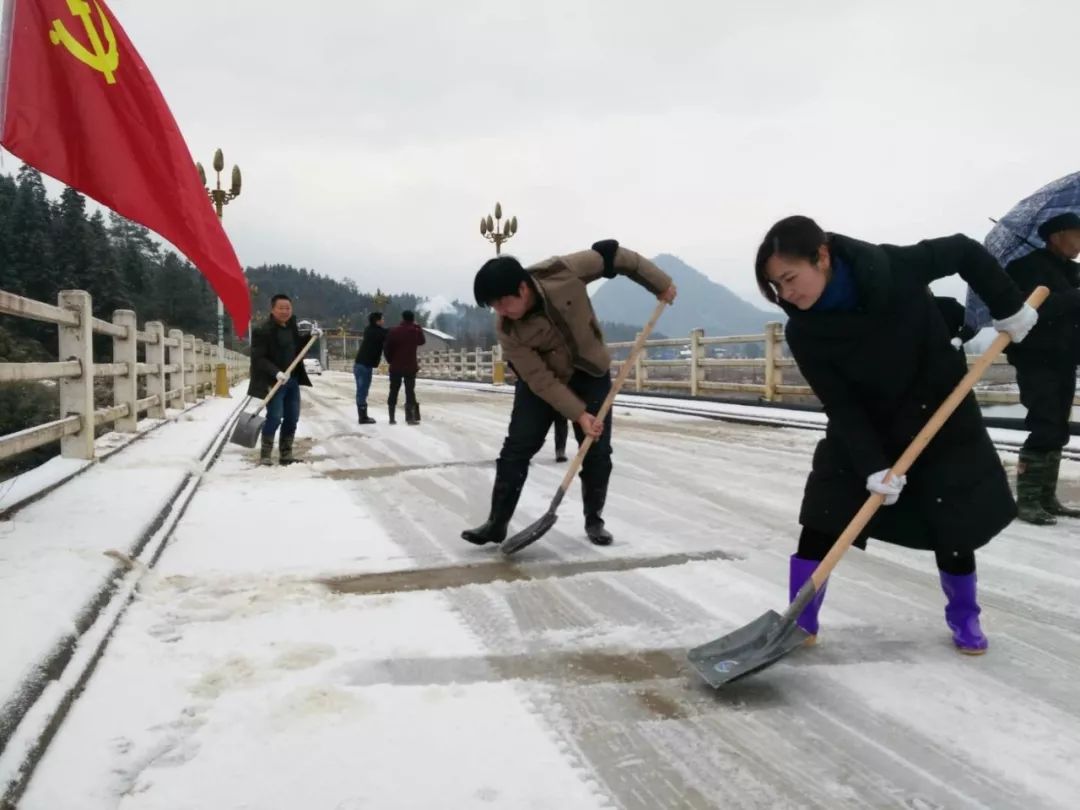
[(549, 334)]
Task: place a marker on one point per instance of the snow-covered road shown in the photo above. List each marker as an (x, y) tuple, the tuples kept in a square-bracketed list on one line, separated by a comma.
[(319, 636)]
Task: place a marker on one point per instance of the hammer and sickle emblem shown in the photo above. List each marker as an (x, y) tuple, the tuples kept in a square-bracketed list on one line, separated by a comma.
[(101, 59)]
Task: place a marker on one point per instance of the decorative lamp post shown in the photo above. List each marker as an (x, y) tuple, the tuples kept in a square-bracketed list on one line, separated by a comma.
[(220, 198), (496, 231)]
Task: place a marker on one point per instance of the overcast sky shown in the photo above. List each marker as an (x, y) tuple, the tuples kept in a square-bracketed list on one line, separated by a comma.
[(373, 136)]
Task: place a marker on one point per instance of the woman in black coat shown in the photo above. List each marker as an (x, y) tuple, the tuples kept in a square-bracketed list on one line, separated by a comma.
[(871, 340)]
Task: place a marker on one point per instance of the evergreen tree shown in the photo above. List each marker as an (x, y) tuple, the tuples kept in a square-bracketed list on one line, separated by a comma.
[(26, 231), (71, 242)]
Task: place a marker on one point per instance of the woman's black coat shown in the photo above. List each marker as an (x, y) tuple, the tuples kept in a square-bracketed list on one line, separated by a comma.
[(880, 372)]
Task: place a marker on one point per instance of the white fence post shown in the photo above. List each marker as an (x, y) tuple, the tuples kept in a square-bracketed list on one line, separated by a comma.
[(155, 377), (773, 336), (77, 393), (176, 357), (196, 368), (476, 371), (126, 388), (639, 367), (189, 368), (695, 356), (498, 366)]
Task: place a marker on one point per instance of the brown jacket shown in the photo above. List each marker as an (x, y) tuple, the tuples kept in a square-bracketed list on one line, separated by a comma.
[(545, 347)]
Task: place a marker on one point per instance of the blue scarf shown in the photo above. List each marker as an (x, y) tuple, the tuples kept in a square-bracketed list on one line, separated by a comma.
[(841, 294)]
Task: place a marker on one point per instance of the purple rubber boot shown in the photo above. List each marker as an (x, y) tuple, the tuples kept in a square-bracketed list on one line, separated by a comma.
[(799, 573), (962, 613)]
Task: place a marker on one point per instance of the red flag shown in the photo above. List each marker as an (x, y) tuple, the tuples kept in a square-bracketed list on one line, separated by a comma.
[(77, 103)]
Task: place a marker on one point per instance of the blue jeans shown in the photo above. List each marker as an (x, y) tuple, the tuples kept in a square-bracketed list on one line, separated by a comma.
[(363, 383), (284, 410)]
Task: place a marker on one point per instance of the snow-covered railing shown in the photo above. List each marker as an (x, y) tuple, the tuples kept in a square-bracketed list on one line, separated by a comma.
[(178, 369), (463, 364), (698, 365)]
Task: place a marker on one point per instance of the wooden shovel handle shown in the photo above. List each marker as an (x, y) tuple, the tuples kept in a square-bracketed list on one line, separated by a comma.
[(918, 444), (288, 371), (635, 350)]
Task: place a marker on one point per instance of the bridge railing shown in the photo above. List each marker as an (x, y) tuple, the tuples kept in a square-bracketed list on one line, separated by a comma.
[(177, 370), (756, 364)]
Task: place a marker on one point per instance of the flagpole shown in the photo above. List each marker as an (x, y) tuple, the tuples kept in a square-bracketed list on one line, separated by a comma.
[(220, 198)]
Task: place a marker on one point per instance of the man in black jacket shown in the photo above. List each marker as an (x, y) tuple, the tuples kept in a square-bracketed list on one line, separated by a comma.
[(274, 345), (1046, 367), (367, 358)]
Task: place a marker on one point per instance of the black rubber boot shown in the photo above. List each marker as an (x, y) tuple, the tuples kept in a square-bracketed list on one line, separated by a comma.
[(1032, 471), (593, 496), (264, 451), (1050, 500), (509, 480), (285, 454), (392, 408), (363, 415)]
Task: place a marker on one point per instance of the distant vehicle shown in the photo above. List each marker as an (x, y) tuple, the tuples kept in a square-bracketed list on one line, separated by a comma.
[(312, 365)]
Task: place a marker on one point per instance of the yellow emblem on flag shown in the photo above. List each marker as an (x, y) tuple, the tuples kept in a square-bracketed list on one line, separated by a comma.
[(103, 60)]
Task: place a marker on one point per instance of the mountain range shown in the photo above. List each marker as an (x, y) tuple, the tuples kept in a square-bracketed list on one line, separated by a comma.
[(701, 302)]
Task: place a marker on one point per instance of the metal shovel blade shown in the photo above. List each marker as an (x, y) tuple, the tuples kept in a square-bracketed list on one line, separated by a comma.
[(759, 644), (247, 430), (530, 534)]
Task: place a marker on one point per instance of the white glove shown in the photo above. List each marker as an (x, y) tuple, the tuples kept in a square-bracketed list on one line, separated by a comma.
[(875, 482), (282, 377), (1019, 323)]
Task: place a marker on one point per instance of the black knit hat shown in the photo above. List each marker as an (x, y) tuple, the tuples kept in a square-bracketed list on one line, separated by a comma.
[(1062, 222), (499, 277)]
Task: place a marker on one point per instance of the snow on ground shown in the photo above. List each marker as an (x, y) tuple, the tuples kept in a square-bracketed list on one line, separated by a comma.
[(52, 560), (239, 679)]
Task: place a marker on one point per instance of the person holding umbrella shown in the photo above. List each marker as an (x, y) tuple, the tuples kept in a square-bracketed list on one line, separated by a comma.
[(1046, 367), (874, 345)]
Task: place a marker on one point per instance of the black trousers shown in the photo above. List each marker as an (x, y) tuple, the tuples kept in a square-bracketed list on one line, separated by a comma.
[(562, 430), (531, 420), (814, 545), (1047, 392), (410, 390)]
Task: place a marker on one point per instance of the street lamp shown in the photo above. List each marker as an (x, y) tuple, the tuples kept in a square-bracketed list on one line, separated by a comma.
[(220, 198), (493, 231)]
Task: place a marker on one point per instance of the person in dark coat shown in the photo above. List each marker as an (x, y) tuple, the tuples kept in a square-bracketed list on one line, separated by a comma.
[(1046, 367), (872, 342), (367, 358), (400, 349), (274, 345)]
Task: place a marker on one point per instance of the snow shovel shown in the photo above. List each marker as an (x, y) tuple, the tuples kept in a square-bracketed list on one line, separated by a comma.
[(533, 532), (771, 636), (249, 425)]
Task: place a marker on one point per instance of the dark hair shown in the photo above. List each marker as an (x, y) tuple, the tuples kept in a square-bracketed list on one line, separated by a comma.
[(795, 237), (374, 318), (499, 277), (408, 316), (277, 298)]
